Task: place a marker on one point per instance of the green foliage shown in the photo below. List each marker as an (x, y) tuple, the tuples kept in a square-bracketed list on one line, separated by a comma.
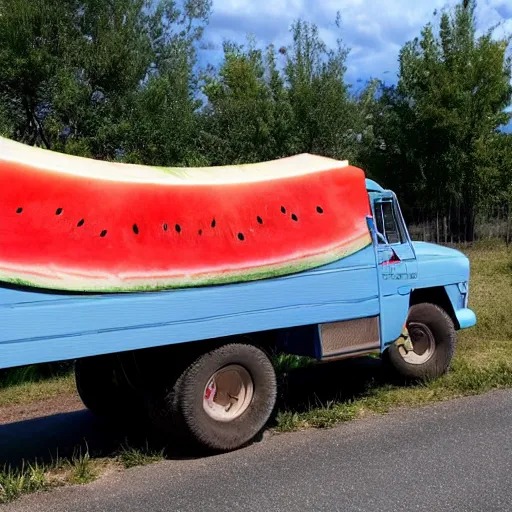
[(438, 138), (82, 468), (284, 363), (80, 77), (132, 456), (323, 110), (15, 482), (33, 373), (247, 117), (34, 36), (265, 104)]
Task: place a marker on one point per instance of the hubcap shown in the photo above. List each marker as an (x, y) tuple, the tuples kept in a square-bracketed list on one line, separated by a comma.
[(228, 393), (423, 343)]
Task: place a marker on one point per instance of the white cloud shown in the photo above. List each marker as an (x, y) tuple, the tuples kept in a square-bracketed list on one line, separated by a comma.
[(373, 29)]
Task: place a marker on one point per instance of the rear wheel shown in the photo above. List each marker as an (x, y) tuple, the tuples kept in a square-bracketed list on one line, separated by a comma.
[(432, 344), (105, 389), (222, 400)]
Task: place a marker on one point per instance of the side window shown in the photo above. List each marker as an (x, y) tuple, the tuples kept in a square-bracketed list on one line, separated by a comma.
[(387, 223)]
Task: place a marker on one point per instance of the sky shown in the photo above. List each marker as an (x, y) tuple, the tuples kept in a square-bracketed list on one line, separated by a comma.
[(374, 30)]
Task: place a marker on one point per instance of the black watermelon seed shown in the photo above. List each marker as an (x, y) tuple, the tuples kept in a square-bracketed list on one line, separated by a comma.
[(283, 209), (241, 237), (294, 217), (135, 229), (103, 233), (19, 210), (213, 223), (259, 219), (58, 211), (81, 223), (178, 228), (319, 209), (165, 226), (200, 232)]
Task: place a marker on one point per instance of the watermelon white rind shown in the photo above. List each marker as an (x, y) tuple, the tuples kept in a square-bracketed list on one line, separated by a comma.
[(30, 157), (75, 224)]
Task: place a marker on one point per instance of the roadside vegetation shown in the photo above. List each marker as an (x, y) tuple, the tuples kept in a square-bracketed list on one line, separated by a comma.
[(80, 468), (20, 393)]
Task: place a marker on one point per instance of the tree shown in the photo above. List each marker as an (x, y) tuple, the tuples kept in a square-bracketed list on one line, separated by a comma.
[(324, 111), (257, 109), (247, 117), (34, 36), (438, 126), (74, 75)]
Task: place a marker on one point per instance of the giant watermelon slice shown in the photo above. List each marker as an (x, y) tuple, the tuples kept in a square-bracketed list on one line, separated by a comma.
[(73, 223)]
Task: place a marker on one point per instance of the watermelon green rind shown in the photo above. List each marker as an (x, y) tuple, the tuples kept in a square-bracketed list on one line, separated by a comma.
[(263, 272), (22, 283)]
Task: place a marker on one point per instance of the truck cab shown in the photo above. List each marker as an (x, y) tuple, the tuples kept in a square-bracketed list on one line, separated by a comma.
[(423, 270), (414, 275)]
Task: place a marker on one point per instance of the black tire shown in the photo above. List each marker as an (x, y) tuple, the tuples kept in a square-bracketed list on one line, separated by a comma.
[(181, 413), (431, 322), (104, 389)]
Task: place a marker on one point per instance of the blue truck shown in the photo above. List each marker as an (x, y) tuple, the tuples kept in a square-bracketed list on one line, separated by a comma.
[(197, 362)]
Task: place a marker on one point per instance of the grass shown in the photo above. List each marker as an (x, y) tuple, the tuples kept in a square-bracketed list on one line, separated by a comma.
[(80, 469), (35, 382), (284, 363), (131, 457), (464, 380), (33, 373), (483, 362), (33, 391), (15, 482)]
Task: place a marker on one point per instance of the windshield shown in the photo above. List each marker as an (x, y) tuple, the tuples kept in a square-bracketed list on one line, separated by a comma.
[(388, 222)]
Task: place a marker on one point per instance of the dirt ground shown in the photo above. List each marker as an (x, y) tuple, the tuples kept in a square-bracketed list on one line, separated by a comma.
[(39, 409)]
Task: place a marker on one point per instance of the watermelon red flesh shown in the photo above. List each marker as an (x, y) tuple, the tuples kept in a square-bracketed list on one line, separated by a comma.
[(71, 232)]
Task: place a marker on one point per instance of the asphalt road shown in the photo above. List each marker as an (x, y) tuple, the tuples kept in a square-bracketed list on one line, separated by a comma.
[(455, 456)]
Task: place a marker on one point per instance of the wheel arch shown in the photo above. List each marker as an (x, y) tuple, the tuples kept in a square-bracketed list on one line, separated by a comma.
[(436, 295)]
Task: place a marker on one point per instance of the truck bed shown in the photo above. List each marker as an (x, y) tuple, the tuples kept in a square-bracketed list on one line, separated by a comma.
[(40, 326)]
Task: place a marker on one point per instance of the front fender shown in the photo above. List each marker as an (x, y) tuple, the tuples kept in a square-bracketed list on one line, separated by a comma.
[(458, 295), (466, 318)]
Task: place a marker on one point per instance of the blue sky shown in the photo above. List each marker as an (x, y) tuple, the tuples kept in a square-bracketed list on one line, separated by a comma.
[(373, 29)]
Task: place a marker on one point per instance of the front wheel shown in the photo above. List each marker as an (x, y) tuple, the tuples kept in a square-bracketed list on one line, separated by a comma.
[(432, 344)]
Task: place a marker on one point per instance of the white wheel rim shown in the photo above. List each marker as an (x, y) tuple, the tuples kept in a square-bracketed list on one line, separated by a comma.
[(423, 343), (228, 393)]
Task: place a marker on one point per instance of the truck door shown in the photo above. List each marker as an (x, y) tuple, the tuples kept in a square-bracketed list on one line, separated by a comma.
[(395, 246), (397, 267)]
